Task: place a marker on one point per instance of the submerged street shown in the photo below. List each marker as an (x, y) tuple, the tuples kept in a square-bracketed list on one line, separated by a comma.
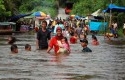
[(106, 62)]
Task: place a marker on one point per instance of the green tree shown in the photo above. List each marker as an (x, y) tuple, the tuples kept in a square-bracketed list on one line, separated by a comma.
[(2, 7), (14, 7), (4, 12), (82, 7), (10, 6), (47, 6)]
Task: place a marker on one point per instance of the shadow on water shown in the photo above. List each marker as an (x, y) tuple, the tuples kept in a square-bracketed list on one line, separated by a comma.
[(116, 41), (32, 59), (86, 77), (90, 77)]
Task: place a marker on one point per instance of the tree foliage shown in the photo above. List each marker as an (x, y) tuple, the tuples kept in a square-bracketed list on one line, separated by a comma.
[(14, 7), (86, 7), (80, 7), (47, 6), (3, 11)]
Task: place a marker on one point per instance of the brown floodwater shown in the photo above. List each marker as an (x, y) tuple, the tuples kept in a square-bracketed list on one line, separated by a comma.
[(106, 62)]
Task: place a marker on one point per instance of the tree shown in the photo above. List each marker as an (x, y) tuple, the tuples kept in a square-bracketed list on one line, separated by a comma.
[(10, 6), (83, 7), (3, 12), (2, 7), (13, 7)]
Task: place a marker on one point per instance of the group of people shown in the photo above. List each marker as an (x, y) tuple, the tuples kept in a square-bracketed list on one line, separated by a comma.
[(113, 31), (44, 40), (59, 42), (14, 47)]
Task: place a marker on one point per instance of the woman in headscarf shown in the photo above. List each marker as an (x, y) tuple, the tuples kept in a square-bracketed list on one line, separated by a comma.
[(54, 41)]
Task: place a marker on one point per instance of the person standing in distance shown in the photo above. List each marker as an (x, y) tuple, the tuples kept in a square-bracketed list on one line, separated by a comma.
[(43, 37)]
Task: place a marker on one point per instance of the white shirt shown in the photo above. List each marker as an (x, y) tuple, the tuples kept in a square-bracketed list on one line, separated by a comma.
[(124, 26), (115, 25)]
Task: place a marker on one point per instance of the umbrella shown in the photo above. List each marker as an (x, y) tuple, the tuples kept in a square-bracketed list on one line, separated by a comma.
[(47, 17), (39, 14), (77, 17), (40, 18)]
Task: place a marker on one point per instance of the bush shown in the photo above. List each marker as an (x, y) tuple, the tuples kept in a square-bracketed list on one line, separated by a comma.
[(120, 32)]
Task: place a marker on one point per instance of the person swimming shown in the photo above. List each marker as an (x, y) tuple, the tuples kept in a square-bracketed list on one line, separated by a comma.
[(28, 47), (11, 40), (14, 48), (94, 40)]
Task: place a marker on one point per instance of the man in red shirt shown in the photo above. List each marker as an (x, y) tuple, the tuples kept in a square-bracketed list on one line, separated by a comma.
[(53, 42)]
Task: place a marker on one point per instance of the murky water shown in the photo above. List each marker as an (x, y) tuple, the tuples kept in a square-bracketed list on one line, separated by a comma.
[(106, 62)]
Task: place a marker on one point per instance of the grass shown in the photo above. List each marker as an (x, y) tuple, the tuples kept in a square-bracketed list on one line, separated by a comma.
[(120, 32)]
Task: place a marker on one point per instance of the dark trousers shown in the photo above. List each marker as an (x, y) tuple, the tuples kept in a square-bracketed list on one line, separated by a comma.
[(43, 47)]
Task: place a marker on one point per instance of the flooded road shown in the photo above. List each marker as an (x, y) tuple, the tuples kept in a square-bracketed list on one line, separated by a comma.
[(106, 62)]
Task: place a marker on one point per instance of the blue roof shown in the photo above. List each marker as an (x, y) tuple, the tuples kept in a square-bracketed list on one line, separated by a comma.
[(114, 8), (17, 17)]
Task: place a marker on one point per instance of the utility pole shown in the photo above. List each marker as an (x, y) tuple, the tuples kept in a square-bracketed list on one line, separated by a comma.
[(111, 1), (110, 16)]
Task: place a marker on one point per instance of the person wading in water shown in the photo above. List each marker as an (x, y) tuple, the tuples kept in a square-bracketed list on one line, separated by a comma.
[(43, 37)]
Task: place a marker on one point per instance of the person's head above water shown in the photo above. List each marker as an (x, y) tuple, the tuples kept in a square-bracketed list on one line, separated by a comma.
[(14, 48), (28, 47), (11, 40), (94, 37)]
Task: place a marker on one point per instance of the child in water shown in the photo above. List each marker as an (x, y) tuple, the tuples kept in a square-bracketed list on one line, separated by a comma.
[(94, 40), (73, 39), (28, 47), (14, 48), (64, 46), (11, 40)]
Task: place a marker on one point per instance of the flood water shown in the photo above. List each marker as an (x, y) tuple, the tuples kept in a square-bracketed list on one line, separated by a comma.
[(106, 62)]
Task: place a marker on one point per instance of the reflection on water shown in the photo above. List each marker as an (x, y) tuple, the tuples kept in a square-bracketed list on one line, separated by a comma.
[(106, 62)]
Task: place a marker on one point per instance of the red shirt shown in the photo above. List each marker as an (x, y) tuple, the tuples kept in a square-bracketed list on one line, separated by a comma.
[(73, 40), (53, 43)]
